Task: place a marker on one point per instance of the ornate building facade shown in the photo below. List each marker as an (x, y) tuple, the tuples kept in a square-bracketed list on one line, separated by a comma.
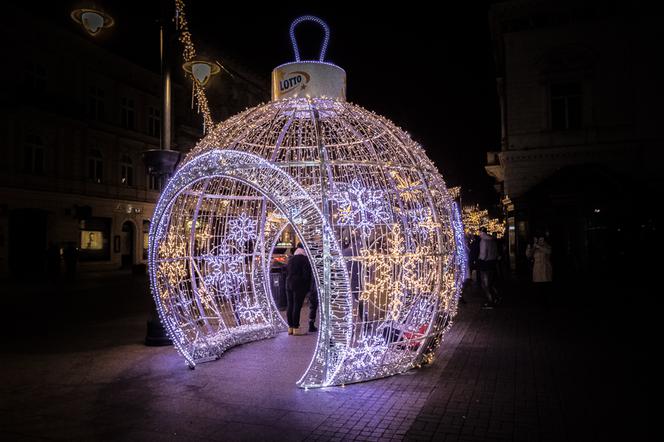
[(76, 119), (581, 145)]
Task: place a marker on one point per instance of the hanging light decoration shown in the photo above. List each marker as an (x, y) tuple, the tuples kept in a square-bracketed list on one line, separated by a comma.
[(92, 20), (189, 56), (474, 218), (201, 70), (383, 235)]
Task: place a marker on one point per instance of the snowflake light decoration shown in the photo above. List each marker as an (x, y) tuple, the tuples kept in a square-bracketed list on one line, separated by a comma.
[(409, 190), (250, 311), (225, 270), (422, 220), (393, 275), (242, 228), (382, 233), (361, 207)]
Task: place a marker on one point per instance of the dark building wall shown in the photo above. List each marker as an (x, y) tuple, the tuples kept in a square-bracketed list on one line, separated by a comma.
[(580, 91), (64, 103)]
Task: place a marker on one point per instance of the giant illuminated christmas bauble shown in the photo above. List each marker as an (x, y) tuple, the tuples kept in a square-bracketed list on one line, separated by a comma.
[(382, 234)]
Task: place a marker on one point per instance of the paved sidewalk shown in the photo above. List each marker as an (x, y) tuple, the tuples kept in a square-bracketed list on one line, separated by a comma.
[(513, 373), (526, 372)]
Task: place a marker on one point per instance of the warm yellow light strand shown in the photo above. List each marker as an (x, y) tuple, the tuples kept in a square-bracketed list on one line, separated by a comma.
[(474, 218), (188, 53)]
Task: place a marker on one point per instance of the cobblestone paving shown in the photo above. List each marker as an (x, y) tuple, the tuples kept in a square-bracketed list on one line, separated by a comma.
[(513, 373), (524, 372)]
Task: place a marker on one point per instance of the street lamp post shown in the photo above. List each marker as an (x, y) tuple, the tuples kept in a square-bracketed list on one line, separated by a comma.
[(162, 162), (159, 162)]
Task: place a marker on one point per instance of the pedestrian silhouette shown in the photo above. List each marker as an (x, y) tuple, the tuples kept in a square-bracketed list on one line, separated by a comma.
[(53, 261), (487, 259), (298, 284), (70, 255)]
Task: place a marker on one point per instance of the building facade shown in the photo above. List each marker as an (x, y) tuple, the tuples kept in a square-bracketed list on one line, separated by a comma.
[(581, 145), (75, 122)]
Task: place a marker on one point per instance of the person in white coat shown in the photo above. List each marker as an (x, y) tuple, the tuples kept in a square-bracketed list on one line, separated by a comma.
[(542, 270)]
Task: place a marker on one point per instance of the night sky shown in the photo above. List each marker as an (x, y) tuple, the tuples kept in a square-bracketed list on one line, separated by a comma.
[(432, 73)]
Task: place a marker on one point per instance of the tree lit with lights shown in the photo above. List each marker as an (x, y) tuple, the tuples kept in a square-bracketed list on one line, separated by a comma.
[(475, 218)]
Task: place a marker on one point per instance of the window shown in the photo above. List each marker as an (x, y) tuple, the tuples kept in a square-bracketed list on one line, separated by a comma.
[(96, 103), (94, 239), (127, 113), (95, 166), (566, 106), (154, 182), (154, 121), (34, 155), (35, 76), (126, 170)]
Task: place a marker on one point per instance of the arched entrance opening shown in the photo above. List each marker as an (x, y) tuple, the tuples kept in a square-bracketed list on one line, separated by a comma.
[(211, 246), (127, 244), (374, 215)]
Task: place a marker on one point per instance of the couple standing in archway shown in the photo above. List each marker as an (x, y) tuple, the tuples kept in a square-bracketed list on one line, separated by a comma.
[(300, 283)]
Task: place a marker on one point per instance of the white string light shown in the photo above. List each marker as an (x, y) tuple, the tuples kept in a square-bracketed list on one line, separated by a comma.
[(382, 233)]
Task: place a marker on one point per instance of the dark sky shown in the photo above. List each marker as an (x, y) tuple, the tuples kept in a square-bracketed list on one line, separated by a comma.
[(431, 72)]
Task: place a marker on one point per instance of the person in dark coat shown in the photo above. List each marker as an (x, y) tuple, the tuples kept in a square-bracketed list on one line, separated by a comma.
[(473, 258), (487, 265), (53, 261), (298, 284), (313, 305), (70, 255)]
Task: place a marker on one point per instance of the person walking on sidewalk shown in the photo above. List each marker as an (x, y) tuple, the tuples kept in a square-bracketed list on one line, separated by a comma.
[(70, 255), (487, 265), (473, 259), (542, 269), (298, 284)]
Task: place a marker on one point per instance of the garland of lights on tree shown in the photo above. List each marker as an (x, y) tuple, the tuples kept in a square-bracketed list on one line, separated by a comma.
[(474, 218), (384, 237)]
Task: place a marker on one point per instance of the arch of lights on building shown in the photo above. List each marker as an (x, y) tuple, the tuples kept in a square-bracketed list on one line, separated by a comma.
[(382, 234)]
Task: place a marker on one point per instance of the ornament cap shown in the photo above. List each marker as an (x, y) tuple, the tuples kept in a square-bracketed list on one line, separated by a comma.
[(309, 79)]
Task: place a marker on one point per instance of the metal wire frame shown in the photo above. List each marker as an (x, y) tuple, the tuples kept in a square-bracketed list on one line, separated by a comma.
[(370, 208)]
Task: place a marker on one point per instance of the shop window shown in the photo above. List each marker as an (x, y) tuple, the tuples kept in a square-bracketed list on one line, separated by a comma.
[(92, 240), (34, 155), (566, 106), (126, 170), (95, 166), (94, 237)]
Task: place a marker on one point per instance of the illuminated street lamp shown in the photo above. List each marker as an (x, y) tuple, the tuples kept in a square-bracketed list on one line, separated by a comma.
[(92, 20), (201, 70)]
